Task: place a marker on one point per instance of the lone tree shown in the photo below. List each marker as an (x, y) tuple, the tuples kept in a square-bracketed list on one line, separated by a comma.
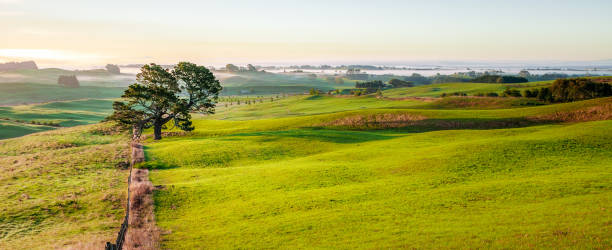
[(160, 95)]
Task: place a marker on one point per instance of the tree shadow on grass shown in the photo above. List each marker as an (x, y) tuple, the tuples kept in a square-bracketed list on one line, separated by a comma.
[(155, 165), (151, 164), (325, 135)]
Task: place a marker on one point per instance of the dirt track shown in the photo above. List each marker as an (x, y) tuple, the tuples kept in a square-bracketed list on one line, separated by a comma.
[(142, 232)]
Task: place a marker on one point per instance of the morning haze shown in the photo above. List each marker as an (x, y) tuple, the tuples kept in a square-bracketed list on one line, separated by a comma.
[(305, 124)]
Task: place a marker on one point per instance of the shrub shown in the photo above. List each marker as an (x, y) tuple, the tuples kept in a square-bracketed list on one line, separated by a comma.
[(512, 93), (530, 93), (492, 94)]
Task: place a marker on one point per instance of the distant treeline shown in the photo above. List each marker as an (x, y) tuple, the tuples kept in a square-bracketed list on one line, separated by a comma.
[(18, 65), (499, 79), (377, 84), (566, 90)]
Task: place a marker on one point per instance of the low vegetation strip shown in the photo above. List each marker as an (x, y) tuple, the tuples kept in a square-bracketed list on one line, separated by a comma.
[(596, 113), (142, 233), (378, 121), (138, 199), (421, 123)]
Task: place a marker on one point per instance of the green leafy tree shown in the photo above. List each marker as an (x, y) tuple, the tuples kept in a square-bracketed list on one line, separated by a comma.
[(160, 96)]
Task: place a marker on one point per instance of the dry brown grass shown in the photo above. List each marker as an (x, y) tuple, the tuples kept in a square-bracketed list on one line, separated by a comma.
[(377, 121), (596, 113), (386, 121)]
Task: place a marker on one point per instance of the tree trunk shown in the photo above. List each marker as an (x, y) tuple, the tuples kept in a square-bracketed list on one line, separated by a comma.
[(135, 132), (157, 131)]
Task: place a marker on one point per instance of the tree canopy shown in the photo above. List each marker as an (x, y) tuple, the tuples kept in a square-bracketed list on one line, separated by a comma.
[(397, 83), (160, 95)]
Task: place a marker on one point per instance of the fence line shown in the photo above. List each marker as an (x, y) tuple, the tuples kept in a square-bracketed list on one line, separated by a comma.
[(137, 156)]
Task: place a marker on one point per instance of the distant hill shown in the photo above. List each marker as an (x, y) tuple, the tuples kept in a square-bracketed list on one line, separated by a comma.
[(18, 65)]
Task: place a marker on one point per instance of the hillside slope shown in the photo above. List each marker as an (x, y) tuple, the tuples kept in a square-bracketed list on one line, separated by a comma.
[(62, 189), (475, 178)]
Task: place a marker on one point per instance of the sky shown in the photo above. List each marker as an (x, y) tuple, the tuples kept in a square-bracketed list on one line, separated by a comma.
[(90, 33)]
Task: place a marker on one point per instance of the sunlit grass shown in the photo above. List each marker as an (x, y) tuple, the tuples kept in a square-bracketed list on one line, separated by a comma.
[(62, 188), (269, 178)]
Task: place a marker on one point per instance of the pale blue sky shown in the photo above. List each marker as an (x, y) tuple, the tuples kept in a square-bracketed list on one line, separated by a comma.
[(93, 32)]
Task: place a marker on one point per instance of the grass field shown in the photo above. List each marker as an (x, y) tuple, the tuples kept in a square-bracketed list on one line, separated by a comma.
[(435, 90), (322, 172), (48, 76), (62, 188), (328, 172), (268, 83), (27, 93), (65, 114)]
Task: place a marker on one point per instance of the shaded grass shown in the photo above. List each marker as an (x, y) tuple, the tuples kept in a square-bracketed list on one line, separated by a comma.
[(65, 114), (9, 129)]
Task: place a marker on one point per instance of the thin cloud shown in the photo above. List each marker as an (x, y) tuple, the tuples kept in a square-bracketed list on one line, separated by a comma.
[(48, 55)]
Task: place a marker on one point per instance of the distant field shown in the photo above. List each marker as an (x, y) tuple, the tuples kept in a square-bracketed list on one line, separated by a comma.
[(324, 172), (27, 93), (268, 83), (308, 105), (100, 78), (9, 129), (435, 90), (65, 114)]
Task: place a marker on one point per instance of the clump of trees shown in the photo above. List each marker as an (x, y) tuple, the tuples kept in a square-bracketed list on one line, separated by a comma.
[(70, 81), (315, 92), (499, 79), (566, 90), (377, 84), (453, 94), (418, 79), (232, 68), (160, 95), (370, 85), (490, 94), (113, 69), (397, 83), (512, 93)]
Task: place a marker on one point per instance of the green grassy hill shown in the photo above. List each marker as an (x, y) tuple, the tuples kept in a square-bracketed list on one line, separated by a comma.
[(369, 173), (62, 189), (322, 172)]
